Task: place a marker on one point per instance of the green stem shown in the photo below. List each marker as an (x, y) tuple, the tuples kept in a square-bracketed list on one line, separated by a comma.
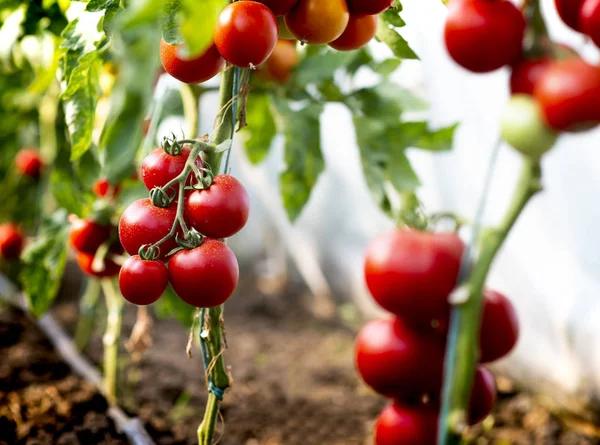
[(190, 101), (87, 313), (209, 423), (114, 305), (463, 351)]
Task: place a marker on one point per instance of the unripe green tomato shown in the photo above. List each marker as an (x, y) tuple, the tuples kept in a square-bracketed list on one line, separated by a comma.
[(522, 126)]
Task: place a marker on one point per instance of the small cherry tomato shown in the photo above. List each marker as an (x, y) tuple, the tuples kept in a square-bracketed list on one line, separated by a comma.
[(317, 21), (525, 75), (199, 69), (569, 94), (143, 282), (360, 30), (484, 35), (219, 211), (159, 167), (568, 10), (589, 20), (368, 7), (86, 235), (483, 396), (103, 189), (279, 7), (85, 260), (406, 425), (282, 62), (142, 223), (205, 276), (28, 163), (246, 33), (11, 241), (499, 327)]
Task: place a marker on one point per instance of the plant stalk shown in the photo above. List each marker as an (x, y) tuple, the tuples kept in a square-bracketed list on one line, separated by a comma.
[(114, 305), (87, 313)]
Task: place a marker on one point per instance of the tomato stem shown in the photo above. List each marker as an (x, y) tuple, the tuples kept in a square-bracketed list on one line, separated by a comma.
[(191, 104), (114, 305), (87, 313)]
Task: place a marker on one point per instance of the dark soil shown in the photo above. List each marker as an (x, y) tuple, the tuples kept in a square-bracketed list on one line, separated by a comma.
[(294, 385)]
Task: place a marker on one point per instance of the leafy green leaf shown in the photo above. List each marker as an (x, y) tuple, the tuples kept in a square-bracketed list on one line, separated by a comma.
[(386, 101), (199, 20), (386, 67), (418, 135), (142, 12), (261, 128), (321, 67), (68, 193), (170, 305), (387, 34), (110, 8)]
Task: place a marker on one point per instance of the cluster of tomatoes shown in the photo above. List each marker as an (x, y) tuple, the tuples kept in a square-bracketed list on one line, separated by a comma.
[(554, 89), (201, 268), (411, 275), (251, 32)]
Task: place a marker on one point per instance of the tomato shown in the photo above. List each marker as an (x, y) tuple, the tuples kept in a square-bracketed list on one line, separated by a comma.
[(589, 20), (279, 7), (499, 328), (246, 33), (86, 235), (159, 167), (221, 210), (11, 241), (406, 425), (397, 361), (142, 223), (368, 7), (102, 189), (523, 127), (484, 35), (317, 21), (568, 10), (569, 94), (283, 61), (205, 276), (85, 261), (143, 282), (483, 396), (526, 74), (412, 273), (28, 163), (360, 30), (199, 69)]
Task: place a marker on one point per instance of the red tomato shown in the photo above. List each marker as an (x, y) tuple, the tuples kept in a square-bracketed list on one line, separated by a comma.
[(86, 235), (368, 7), (85, 261), (411, 273), (569, 94), (221, 210), (28, 163), (483, 396), (360, 30), (142, 223), (11, 241), (397, 361), (159, 167), (568, 10), (407, 425), (246, 33), (589, 20), (200, 69), (279, 7), (102, 189), (526, 74), (143, 282), (484, 35), (317, 21), (499, 327), (205, 276), (283, 61)]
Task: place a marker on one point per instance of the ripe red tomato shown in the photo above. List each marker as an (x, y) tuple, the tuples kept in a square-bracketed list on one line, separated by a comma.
[(221, 210), (85, 261), (526, 74), (499, 327), (568, 10), (406, 425), (86, 235), (246, 33), (483, 396), (11, 241), (200, 69), (102, 189), (28, 163), (142, 223), (318, 22), (589, 20), (159, 167), (143, 282), (205, 276), (282, 62), (368, 7), (484, 35), (569, 94), (399, 362), (360, 30), (279, 7), (411, 273)]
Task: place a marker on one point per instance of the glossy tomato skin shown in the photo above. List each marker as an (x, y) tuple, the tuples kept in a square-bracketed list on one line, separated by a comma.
[(143, 282), (589, 20), (85, 261), (11, 241), (411, 273), (483, 395), (246, 33), (103, 189), (318, 22), (159, 167), (282, 62), (221, 210), (499, 328), (205, 276), (484, 35), (279, 7), (398, 361), (568, 10), (360, 30), (406, 425), (569, 94), (368, 7), (28, 163), (86, 235), (142, 223), (199, 69), (526, 74)]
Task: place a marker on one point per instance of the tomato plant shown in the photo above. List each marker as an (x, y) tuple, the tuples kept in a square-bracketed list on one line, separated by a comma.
[(159, 167), (107, 268), (11, 241), (283, 61), (87, 236), (318, 22), (190, 70), (29, 163), (526, 74), (408, 425), (359, 31), (143, 282), (104, 189)]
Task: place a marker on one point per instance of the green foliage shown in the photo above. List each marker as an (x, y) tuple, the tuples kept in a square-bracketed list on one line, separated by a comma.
[(170, 305), (261, 127), (387, 32)]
